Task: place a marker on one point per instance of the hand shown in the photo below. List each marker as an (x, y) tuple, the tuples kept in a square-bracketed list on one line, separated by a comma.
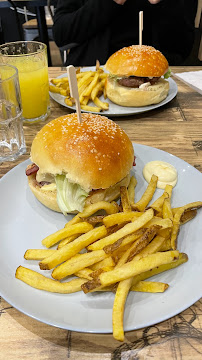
[(154, 1), (120, 2)]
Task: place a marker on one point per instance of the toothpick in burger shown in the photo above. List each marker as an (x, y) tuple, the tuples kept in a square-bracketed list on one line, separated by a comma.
[(137, 76), (74, 165)]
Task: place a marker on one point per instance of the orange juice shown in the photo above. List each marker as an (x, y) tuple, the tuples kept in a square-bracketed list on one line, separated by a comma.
[(30, 58), (34, 91)]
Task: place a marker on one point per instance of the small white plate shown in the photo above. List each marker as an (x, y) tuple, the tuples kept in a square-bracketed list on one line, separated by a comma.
[(24, 222), (116, 110)]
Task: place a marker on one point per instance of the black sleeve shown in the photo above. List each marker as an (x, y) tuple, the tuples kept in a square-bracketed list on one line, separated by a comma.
[(77, 21), (174, 28)]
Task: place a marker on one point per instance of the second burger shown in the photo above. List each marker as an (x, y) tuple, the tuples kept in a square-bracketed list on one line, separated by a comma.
[(135, 76)]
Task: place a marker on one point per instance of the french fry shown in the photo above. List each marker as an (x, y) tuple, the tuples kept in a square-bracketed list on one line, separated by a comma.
[(177, 219), (38, 254), (124, 242), (166, 245), (126, 230), (90, 87), (109, 208), (125, 202), (168, 190), (109, 261), (73, 248), (99, 87), (54, 89), (118, 308), (68, 101), (120, 218), (91, 108), (154, 246), (100, 104), (132, 268), (149, 286), (131, 189), (151, 248), (183, 258), (84, 78), (147, 196), (158, 204), (52, 239), (166, 210), (187, 216), (164, 223), (84, 273), (67, 240), (41, 282), (72, 265), (94, 220), (143, 241)]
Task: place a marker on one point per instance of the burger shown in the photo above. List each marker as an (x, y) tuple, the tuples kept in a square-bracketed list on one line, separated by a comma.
[(135, 76), (77, 164)]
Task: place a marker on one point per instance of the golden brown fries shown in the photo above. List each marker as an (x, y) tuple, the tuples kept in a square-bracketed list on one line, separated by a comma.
[(147, 196), (125, 202), (131, 189), (133, 268), (74, 264), (38, 254), (73, 248), (66, 232), (149, 286), (126, 230), (91, 85), (41, 282), (108, 247)]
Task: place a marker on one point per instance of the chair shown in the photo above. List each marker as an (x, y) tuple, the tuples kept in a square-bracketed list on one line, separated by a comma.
[(31, 32), (198, 24)]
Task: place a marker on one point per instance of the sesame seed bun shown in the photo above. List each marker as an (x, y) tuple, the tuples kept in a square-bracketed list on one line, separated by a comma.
[(141, 62), (96, 154), (136, 60)]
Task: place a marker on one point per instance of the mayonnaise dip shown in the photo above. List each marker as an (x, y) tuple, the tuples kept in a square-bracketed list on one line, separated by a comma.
[(167, 174)]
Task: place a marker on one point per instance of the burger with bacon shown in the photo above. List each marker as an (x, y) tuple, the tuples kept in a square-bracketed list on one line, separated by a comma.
[(137, 76), (75, 164)]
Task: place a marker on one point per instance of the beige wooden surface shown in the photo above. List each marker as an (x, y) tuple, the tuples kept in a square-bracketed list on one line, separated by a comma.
[(175, 128)]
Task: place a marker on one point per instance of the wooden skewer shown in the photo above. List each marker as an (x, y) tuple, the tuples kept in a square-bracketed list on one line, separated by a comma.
[(140, 27), (71, 72)]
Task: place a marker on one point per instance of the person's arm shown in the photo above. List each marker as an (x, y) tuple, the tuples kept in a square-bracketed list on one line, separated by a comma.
[(76, 21)]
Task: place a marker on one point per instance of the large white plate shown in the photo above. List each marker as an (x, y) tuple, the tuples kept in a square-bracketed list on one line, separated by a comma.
[(116, 110), (24, 222)]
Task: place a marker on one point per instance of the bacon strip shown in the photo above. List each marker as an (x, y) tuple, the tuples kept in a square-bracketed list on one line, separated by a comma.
[(31, 169)]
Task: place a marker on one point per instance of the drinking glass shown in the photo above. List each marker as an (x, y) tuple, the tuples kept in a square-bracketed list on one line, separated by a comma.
[(12, 142), (30, 58)]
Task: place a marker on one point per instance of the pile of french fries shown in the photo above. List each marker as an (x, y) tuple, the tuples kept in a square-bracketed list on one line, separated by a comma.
[(91, 85), (117, 251)]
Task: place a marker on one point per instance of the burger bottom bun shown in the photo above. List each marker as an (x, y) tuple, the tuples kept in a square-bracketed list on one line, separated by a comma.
[(126, 96), (49, 198)]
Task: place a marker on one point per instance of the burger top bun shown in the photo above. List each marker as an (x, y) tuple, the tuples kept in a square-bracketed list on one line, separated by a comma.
[(137, 60), (94, 154)]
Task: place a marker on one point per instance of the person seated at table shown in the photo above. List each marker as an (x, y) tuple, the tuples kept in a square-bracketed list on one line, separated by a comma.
[(95, 29)]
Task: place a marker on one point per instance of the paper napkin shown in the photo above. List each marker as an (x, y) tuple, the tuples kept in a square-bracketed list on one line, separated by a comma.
[(191, 78)]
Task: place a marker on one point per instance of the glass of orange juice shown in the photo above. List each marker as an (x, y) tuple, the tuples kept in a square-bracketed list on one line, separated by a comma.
[(30, 58)]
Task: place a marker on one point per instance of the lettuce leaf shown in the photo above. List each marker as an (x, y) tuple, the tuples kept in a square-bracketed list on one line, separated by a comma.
[(167, 74), (70, 196)]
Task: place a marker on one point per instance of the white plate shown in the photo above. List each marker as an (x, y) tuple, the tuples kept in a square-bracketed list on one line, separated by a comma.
[(116, 110), (24, 222)]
